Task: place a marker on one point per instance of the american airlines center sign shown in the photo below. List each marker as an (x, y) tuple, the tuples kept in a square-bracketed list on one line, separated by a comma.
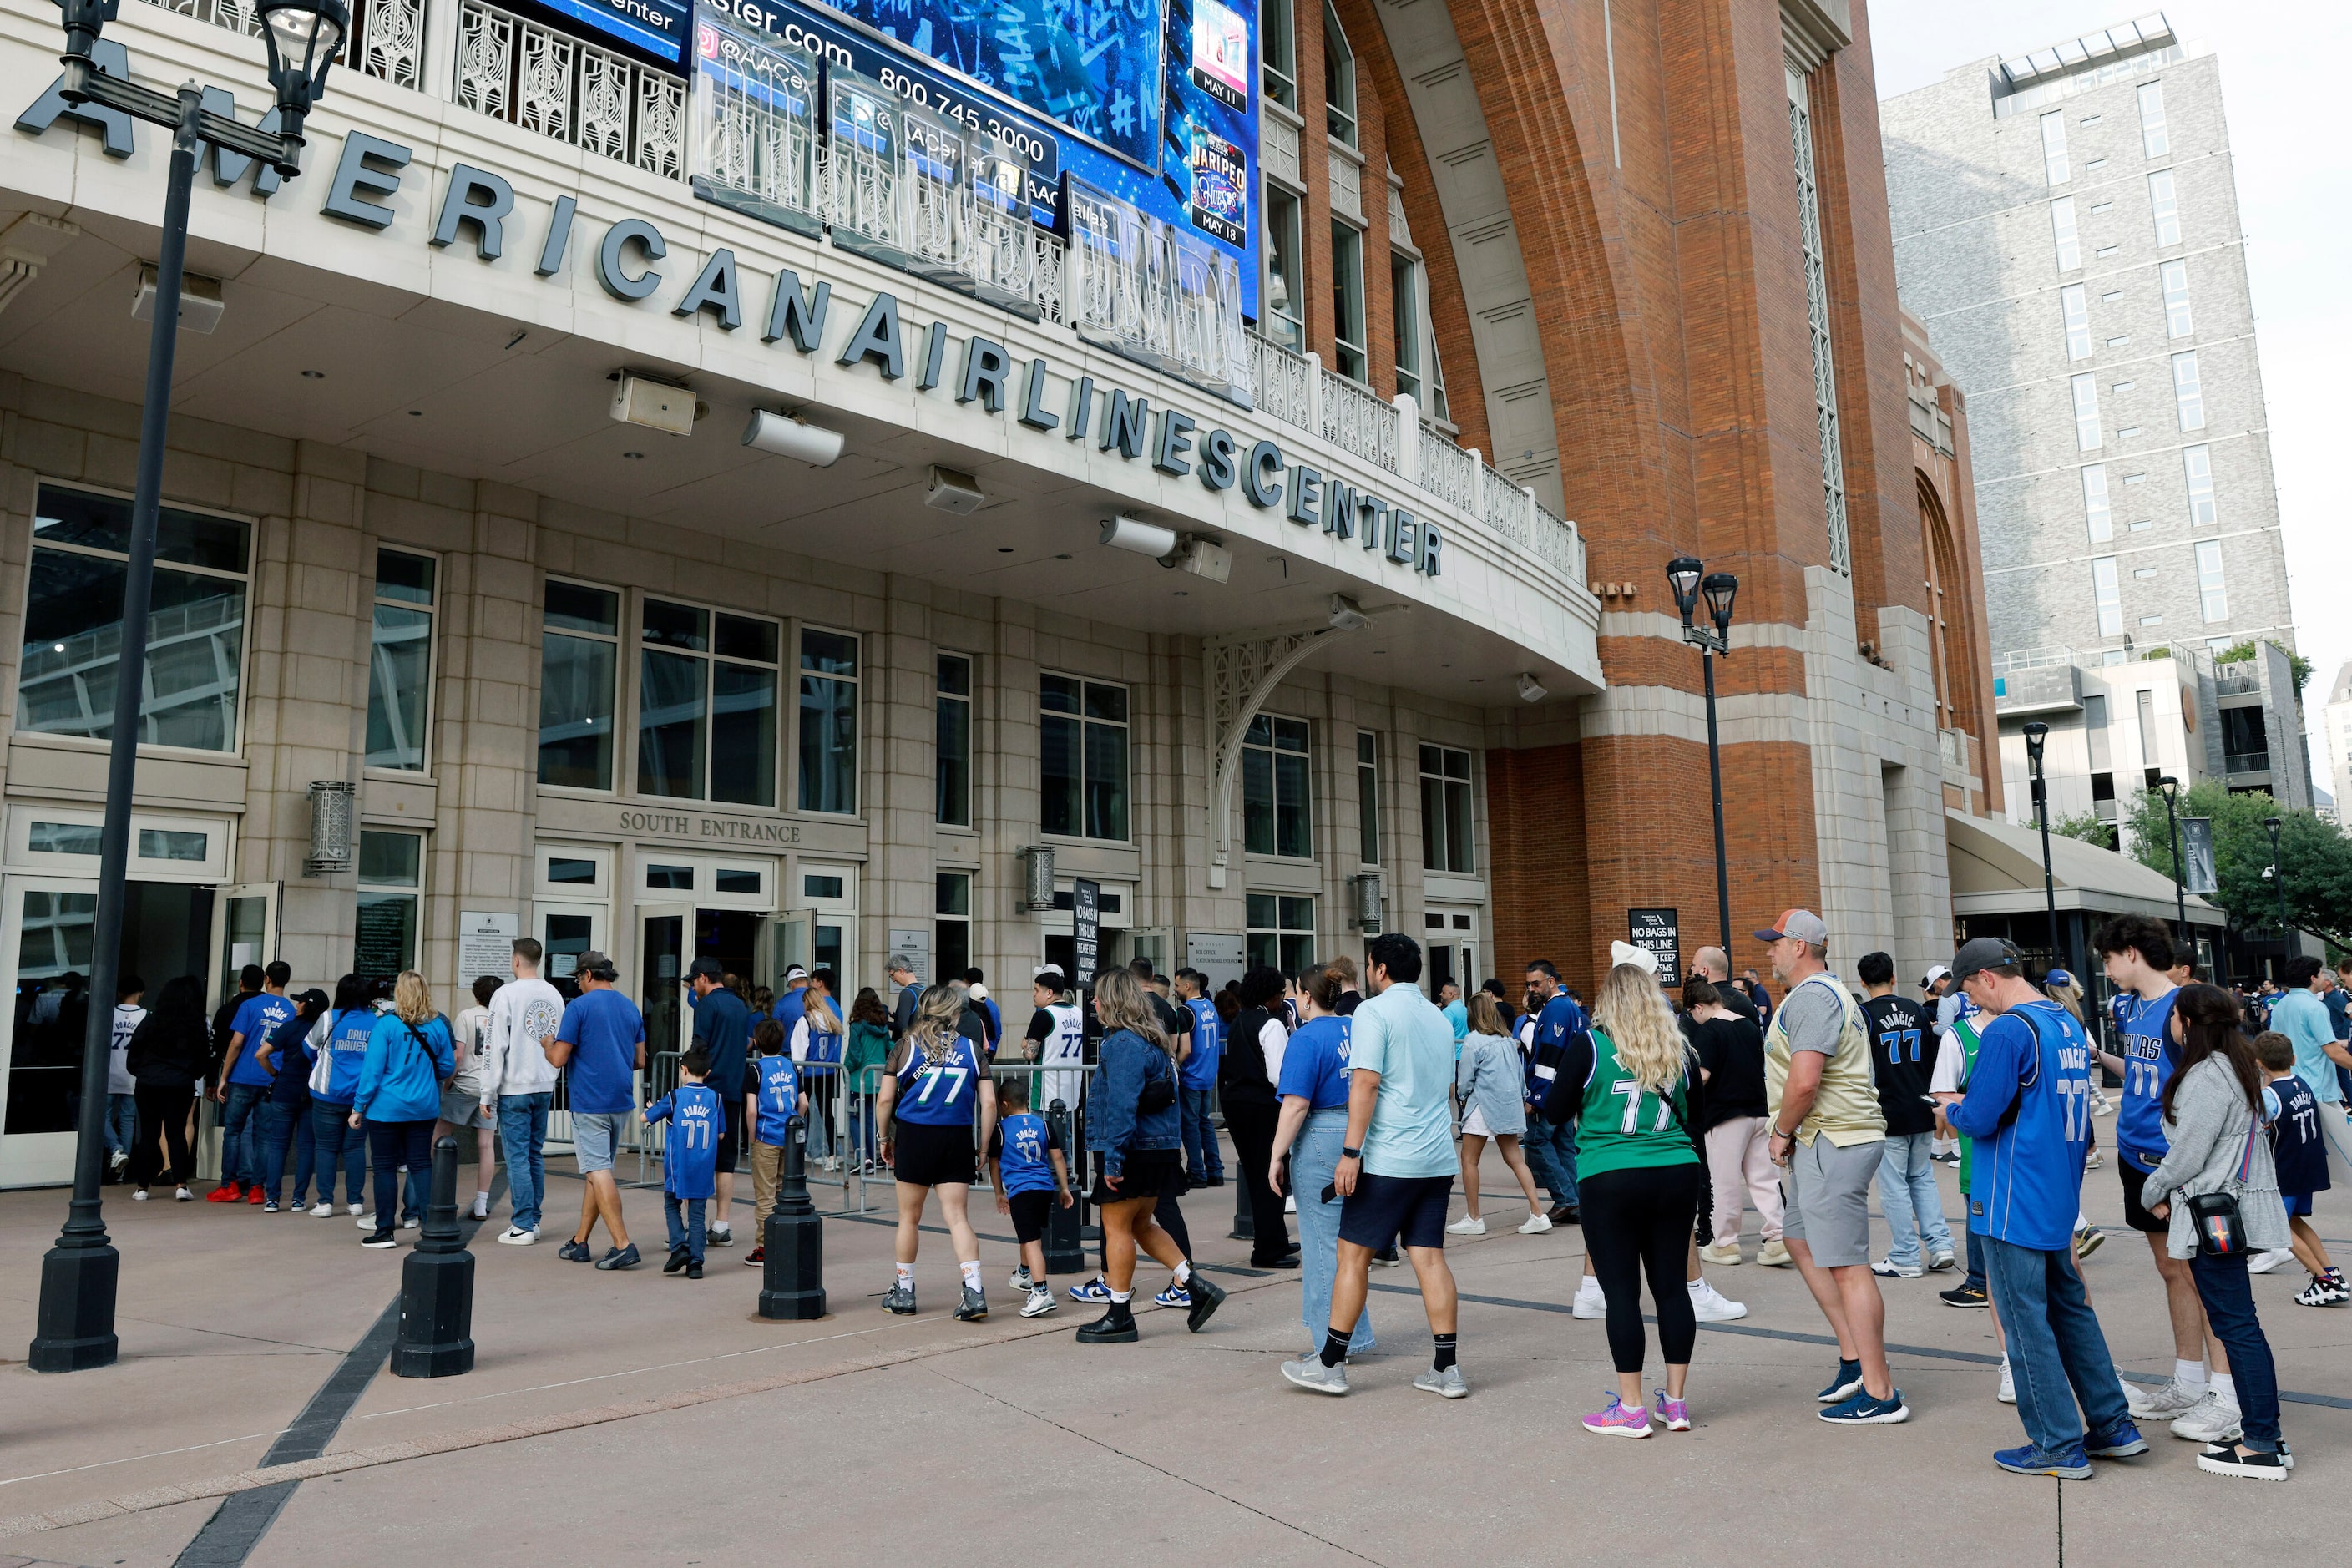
[(479, 209)]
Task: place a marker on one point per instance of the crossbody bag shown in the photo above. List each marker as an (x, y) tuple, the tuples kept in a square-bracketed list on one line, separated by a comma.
[(2221, 1228)]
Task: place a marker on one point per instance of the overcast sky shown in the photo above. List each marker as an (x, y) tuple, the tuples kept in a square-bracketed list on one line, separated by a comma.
[(2281, 66)]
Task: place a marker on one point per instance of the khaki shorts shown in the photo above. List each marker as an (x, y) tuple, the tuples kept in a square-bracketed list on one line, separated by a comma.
[(1825, 1196)]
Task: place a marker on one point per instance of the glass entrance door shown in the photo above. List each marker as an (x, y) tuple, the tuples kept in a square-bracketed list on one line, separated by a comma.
[(45, 961), (661, 974)]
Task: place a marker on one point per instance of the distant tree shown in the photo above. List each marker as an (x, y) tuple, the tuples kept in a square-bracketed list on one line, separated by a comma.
[(2086, 827), (2315, 858)]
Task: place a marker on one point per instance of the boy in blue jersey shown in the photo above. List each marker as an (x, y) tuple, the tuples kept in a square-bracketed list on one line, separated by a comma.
[(1552, 1017), (1197, 1081), (773, 1095), (2028, 1109), (2137, 954), (690, 1159), (2299, 1154), (245, 1084), (1030, 1175)]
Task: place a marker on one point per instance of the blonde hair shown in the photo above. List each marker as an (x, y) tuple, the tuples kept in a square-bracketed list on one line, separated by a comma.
[(1485, 1017), (411, 998), (1629, 1010), (1119, 1004), (2068, 997), (939, 1023)]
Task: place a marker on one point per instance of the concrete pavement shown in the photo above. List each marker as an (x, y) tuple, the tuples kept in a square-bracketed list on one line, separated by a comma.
[(631, 1417)]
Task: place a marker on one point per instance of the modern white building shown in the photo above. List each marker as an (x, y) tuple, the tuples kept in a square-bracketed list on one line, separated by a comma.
[(2066, 226), (2335, 726)]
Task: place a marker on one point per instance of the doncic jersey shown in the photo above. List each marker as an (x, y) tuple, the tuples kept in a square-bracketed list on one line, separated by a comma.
[(1064, 1047), (2029, 1110), (942, 1093), (1024, 1159), (1208, 1045), (2149, 1056)]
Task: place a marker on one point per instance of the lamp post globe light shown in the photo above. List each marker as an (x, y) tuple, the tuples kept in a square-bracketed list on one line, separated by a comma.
[(1690, 579), (2037, 736), (75, 1328)]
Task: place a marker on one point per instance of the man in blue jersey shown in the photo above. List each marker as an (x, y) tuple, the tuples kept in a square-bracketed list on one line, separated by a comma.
[(1198, 1081), (1552, 1017), (2137, 954), (2028, 1106)]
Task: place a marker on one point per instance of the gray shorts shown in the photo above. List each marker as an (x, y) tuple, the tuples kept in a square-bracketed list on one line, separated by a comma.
[(1825, 1192), (463, 1108), (594, 1136)]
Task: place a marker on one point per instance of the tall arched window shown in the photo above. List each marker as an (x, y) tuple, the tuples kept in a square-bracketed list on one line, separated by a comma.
[(1946, 642)]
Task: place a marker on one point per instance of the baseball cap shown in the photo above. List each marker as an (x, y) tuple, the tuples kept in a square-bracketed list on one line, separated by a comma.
[(793, 972), (708, 968), (2058, 977), (1802, 925), (313, 997), (1639, 957), (1935, 971), (597, 964), (1052, 971), (1980, 953)]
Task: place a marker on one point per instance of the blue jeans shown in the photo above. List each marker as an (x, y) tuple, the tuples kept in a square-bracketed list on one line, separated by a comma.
[(278, 1123), (1551, 1157), (522, 1137), (241, 1134), (1907, 1191), (335, 1143), (1203, 1159), (687, 1231), (2229, 1298), (1976, 1280), (121, 1123), (1313, 1158), (2055, 1345)]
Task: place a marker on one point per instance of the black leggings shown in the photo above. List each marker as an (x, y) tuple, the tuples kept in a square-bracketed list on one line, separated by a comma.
[(1636, 1221), (163, 1114), (1252, 1127)]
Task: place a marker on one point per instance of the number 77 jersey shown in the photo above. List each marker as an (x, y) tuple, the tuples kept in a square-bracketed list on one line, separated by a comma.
[(941, 1093), (2029, 1111)]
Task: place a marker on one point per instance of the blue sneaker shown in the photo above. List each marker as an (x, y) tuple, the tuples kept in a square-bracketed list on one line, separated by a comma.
[(1093, 1290), (1844, 1386), (2119, 1442), (575, 1252), (1174, 1295), (1861, 1410), (621, 1258), (2068, 1464)]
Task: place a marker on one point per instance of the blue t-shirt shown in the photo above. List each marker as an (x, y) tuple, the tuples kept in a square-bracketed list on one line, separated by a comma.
[(347, 1041), (289, 1053), (257, 1019), (722, 1027), (1401, 1036), (2028, 1111), (1200, 1071), (2149, 1056), (690, 1153), (780, 1096), (1457, 1013), (1314, 1063), (603, 1029), (945, 1093), (2298, 1148), (1023, 1153)]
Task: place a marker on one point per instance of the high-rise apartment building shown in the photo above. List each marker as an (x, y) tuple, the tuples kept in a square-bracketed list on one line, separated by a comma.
[(2066, 227), (2336, 719)]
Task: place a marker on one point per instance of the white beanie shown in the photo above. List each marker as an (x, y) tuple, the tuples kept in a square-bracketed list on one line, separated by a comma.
[(1639, 957)]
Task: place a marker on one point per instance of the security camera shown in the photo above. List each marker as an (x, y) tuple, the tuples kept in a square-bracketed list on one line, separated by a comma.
[(790, 437), (1126, 531)]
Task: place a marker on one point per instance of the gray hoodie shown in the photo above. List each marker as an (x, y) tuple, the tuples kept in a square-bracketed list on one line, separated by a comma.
[(2208, 1133)]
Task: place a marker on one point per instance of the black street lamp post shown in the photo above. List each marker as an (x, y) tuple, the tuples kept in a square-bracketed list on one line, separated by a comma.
[(1690, 578), (75, 1328), (2278, 884), (2169, 787), (2037, 735)]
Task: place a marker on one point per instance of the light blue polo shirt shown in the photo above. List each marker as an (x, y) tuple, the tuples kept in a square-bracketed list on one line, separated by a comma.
[(1402, 1035)]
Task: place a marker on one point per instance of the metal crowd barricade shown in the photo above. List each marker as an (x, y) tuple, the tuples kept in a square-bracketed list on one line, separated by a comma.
[(662, 1075), (1048, 1081)]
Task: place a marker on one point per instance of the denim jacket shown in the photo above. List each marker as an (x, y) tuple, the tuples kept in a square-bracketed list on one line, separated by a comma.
[(1115, 1128)]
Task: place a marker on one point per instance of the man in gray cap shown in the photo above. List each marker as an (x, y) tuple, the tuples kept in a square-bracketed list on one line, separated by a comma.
[(1827, 1135), (900, 969)]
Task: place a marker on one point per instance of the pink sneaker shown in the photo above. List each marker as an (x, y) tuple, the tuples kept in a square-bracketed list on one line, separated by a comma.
[(1618, 1421), (1674, 1413)]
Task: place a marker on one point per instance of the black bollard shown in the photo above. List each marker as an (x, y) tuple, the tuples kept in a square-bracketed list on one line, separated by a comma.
[(793, 1283), (1065, 1250), (436, 1285), (1244, 1227)]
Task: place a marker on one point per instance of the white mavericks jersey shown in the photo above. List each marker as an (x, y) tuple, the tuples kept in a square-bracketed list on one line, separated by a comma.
[(1065, 1046)]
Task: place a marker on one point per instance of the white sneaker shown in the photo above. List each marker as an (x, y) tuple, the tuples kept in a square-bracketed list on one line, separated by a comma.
[(2161, 1403), (184, 1196), (365, 1223), (2263, 1262), (410, 1222), (1537, 1224), (1709, 1305), (516, 1237), (117, 1159), (1723, 1255), (1021, 1281), (325, 1207), (1887, 1269), (2213, 1420), (140, 1196), (1290, 1203), (1040, 1303), (1591, 1304), (2008, 1393), (1466, 1226), (353, 1209)]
